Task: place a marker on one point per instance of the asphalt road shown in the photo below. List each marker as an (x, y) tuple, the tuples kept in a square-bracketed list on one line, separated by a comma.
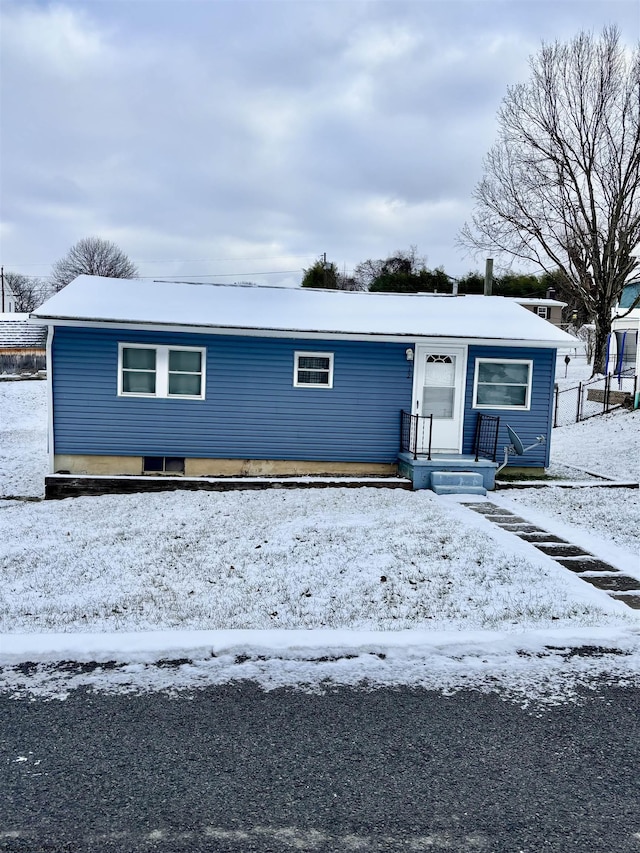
[(235, 770)]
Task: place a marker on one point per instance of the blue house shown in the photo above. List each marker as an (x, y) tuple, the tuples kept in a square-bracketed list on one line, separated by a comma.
[(214, 380)]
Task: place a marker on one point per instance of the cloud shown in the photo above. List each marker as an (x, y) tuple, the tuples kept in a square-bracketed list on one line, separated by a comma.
[(208, 131)]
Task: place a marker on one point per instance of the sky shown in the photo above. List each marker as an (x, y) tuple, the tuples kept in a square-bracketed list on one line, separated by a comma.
[(234, 140)]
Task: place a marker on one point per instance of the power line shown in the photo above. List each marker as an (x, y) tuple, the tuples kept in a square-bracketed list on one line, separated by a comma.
[(220, 274)]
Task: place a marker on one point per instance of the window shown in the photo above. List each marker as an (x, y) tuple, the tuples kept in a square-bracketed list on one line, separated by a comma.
[(161, 371), (502, 384), (542, 311), (438, 393), (313, 370), (163, 465)]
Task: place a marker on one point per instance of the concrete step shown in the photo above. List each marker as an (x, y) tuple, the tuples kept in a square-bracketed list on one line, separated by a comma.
[(457, 483), (459, 490)]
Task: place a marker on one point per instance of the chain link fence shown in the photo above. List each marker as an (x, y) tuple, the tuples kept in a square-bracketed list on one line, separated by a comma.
[(594, 397)]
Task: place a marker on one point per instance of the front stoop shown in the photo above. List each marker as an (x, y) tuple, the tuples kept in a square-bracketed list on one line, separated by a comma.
[(421, 470), (457, 483)]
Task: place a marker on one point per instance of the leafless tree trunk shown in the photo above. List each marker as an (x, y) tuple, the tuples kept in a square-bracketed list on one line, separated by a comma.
[(561, 184)]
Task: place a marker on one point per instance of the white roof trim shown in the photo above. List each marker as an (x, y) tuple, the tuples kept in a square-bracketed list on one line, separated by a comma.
[(311, 336)]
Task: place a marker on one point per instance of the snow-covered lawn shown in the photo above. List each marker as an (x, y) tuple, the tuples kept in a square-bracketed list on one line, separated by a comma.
[(594, 518), (322, 565), (608, 445), (578, 369), (337, 558), (23, 437)]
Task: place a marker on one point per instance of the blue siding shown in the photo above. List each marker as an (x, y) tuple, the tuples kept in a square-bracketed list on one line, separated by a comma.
[(537, 421), (251, 410)]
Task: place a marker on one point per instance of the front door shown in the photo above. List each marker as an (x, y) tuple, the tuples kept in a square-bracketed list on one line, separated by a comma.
[(439, 391)]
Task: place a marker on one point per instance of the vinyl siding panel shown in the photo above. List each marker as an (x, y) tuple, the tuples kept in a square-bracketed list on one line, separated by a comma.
[(528, 424), (251, 410)]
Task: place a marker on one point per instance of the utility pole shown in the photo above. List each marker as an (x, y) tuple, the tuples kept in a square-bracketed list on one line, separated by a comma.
[(2, 280), (488, 277)]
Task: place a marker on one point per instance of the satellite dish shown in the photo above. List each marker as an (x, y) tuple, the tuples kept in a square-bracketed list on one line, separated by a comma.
[(515, 441)]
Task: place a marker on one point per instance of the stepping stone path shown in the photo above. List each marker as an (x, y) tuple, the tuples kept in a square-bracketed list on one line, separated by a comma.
[(588, 567)]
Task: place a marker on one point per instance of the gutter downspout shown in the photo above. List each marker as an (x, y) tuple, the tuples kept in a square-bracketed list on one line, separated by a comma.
[(50, 432)]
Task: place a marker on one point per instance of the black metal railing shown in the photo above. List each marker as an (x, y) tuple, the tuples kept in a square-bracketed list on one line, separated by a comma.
[(485, 442), (415, 434)]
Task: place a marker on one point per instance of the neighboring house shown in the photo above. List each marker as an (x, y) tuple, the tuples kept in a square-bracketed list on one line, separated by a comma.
[(624, 341), (547, 309), (7, 297), (22, 344), (214, 380)]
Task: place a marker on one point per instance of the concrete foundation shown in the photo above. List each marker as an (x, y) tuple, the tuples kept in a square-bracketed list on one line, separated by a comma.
[(199, 467), (101, 465)]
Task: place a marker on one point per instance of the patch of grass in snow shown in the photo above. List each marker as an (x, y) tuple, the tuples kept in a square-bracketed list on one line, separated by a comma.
[(335, 558)]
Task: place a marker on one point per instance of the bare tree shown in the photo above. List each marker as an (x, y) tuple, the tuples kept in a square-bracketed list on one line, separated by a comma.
[(561, 187), (29, 291), (92, 256)]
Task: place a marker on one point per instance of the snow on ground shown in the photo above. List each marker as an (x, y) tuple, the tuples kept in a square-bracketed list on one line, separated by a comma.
[(613, 518), (608, 445), (578, 369), (534, 668), (328, 586), (23, 437), (339, 558)]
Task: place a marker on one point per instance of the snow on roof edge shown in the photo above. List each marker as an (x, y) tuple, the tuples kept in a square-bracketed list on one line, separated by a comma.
[(252, 308)]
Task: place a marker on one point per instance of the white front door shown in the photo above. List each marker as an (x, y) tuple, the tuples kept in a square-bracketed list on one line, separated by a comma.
[(439, 391)]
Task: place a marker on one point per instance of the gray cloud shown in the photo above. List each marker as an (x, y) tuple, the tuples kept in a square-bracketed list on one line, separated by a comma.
[(251, 136)]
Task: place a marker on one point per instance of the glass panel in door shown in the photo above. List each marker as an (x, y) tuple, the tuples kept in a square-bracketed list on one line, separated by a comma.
[(438, 392)]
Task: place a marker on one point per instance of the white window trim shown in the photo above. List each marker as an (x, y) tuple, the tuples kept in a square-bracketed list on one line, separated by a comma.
[(542, 311), (307, 354), (526, 361), (162, 371)]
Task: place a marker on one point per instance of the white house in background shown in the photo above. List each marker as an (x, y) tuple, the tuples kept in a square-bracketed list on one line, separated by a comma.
[(624, 341), (7, 297)]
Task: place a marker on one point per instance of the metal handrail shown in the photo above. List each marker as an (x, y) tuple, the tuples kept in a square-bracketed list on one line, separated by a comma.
[(485, 442), (411, 427)]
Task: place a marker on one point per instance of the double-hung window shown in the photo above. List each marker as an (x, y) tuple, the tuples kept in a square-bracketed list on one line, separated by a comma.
[(313, 370), (161, 371), (502, 384)]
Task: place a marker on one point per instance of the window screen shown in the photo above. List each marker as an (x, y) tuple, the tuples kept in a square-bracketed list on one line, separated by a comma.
[(314, 369)]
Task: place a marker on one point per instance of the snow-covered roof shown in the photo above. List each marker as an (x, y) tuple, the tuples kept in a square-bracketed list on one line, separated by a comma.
[(17, 332), (532, 300), (290, 311)]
